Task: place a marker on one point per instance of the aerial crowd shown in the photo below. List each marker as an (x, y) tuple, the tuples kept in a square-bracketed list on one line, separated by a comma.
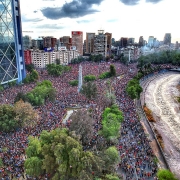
[(137, 158)]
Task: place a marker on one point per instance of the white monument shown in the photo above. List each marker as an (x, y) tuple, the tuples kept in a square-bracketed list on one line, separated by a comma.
[(80, 79)]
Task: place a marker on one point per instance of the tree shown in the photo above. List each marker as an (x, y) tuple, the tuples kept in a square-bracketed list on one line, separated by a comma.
[(82, 124), (19, 96), (107, 58), (29, 67), (25, 114), (112, 56), (1, 88), (164, 174), (42, 92), (111, 158), (112, 70), (112, 118), (57, 61), (73, 82), (134, 89), (111, 177), (89, 77), (33, 76), (89, 90), (7, 118), (104, 75), (56, 69), (1, 163), (62, 157)]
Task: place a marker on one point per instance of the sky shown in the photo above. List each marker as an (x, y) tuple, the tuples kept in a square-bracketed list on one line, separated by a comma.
[(122, 18)]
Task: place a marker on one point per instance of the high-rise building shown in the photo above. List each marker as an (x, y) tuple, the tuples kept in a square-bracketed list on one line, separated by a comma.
[(113, 41), (40, 43), (66, 41), (167, 39), (34, 44), (151, 41), (124, 42), (141, 41), (49, 42), (100, 44), (77, 40), (12, 66), (131, 41), (89, 42), (177, 45), (109, 43), (27, 42), (84, 47)]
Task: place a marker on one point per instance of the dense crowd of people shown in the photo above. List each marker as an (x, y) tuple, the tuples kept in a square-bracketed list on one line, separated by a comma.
[(135, 152)]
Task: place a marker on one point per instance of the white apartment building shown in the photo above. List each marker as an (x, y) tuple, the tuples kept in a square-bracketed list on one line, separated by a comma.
[(40, 58)]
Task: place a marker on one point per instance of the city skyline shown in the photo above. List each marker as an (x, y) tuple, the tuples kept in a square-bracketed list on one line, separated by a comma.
[(122, 18)]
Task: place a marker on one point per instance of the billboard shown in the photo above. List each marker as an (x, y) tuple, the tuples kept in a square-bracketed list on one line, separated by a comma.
[(77, 32), (62, 48), (50, 49), (73, 48)]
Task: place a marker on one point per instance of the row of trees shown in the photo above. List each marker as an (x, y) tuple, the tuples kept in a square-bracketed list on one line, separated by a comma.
[(17, 116), (42, 92), (112, 118), (57, 69), (163, 57)]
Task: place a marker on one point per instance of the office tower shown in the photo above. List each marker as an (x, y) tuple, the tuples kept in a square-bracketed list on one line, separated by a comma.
[(40, 43), (124, 42), (66, 41), (34, 44), (27, 42), (141, 41), (84, 47), (100, 43), (77, 40), (109, 43), (131, 41), (113, 41), (49, 42), (12, 66), (89, 42), (177, 45), (167, 39), (151, 41)]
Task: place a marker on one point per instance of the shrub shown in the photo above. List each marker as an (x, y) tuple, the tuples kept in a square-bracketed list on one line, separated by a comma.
[(105, 75), (164, 174), (89, 78), (1, 88), (149, 114), (73, 82)]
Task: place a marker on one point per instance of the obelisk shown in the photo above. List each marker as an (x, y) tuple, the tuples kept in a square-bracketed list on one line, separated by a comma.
[(80, 79)]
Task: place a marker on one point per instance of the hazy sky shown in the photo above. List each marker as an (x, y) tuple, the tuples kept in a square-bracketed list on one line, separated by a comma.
[(123, 18)]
